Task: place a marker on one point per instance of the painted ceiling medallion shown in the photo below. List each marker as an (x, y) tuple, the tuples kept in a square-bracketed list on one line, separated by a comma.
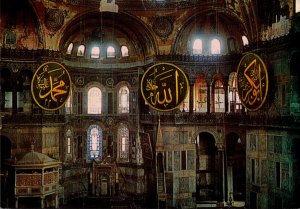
[(162, 26), (252, 81), (110, 82), (164, 86), (54, 19)]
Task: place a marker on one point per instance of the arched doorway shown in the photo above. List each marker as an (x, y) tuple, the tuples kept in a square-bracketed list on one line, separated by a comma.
[(206, 167), (235, 162)]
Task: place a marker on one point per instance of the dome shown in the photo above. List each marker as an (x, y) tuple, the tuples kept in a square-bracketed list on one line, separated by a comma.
[(34, 158)]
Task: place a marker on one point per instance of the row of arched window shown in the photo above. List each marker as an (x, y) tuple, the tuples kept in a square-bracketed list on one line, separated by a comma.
[(203, 97), (96, 51), (200, 98), (215, 45), (94, 143), (215, 48), (217, 100), (95, 100)]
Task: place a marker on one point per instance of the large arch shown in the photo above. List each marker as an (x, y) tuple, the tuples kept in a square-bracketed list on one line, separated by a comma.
[(235, 163), (206, 167), (120, 28), (29, 31), (205, 24)]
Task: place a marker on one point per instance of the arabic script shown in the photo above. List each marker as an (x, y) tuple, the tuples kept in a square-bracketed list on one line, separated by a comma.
[(50, 86), (164, 86), (252, 81)]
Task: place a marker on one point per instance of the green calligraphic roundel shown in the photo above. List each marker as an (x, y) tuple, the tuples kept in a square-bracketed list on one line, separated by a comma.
[(252, 81), (51, 86), (164, 86)]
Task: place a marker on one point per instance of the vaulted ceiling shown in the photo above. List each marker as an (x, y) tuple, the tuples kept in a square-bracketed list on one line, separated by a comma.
[(147, 27)]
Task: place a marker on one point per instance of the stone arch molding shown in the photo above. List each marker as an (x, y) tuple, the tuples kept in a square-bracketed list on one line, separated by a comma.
[(211, 130)]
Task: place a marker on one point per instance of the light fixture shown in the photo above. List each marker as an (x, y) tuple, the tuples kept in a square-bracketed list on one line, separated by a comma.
[(239, 140)]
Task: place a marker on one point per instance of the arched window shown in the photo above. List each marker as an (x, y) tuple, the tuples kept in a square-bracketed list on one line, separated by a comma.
[(70, 48), (206, 162), (69, 105), (231, 45), (94, 100), (80, 51), (123, 138), (124, 51), (245, 40), (215, 46), (200, 95), (94, 142), (234, 100), (184, 107), (219, 96), (124, 100), (111, 52), (297, 6), (95, 53), (10, 39), (69, 144), (197, 46)]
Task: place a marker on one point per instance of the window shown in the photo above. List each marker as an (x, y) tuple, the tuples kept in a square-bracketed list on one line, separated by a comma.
[(231, 45), (111, 52), (70, 48), (197, 47), (219, 97), (124, 100), (297, 6), (184, 107), (123, 135), (68, 105), (80, 51), (8, 100), (95, 52), (124, 51), (94, 142), (94, 100), (215, 46), (245, 40), (200, 95), (69, 146), (10, 38), (234, 100)]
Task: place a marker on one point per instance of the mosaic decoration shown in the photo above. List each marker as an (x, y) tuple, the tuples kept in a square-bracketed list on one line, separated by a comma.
[(51, 86), (252, 81), (54, 19), (162, 26), (164, 86)]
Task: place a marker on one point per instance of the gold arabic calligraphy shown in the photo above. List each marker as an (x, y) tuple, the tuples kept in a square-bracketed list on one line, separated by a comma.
[(252, 81), (51, 86), (164, 86)]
